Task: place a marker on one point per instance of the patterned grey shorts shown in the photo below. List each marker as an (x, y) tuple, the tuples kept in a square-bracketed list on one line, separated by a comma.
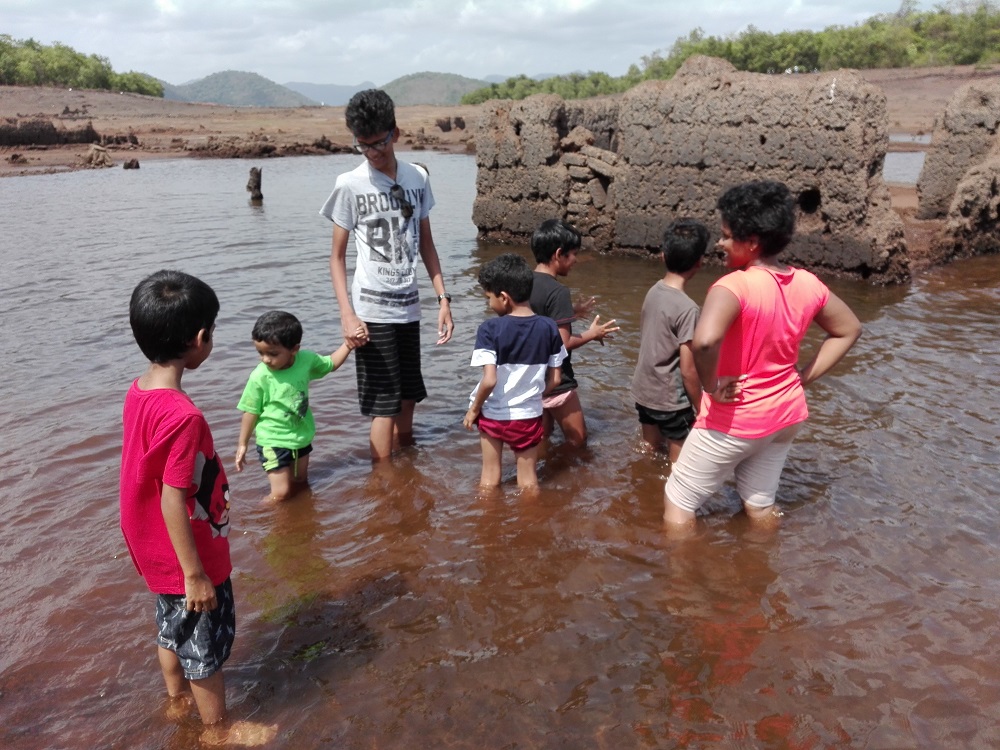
[(201, 640)]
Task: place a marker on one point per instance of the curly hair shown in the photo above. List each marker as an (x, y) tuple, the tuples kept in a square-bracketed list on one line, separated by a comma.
[(278, 327), (370, 113), (763, 209)]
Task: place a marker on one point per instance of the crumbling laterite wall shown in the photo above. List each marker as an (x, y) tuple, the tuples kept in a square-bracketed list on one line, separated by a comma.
[(621, 169), (962, 138), (972, 226), (39, 132)]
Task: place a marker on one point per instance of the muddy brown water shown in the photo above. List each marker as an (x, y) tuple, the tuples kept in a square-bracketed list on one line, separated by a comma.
[(401, 607)]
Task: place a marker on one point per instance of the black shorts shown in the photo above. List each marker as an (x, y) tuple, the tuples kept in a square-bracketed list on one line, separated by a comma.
[(272, 459), (388, 368), (673, 425), (201, 640)]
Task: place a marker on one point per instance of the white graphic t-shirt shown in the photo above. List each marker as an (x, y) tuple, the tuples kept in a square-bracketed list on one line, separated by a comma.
[(384, 289)]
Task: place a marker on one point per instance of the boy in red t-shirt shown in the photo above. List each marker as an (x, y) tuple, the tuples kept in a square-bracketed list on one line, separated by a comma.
[(175, 497)]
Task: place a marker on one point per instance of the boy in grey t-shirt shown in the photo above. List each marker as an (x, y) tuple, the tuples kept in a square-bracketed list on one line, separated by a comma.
[(665, 386), (386, 204)]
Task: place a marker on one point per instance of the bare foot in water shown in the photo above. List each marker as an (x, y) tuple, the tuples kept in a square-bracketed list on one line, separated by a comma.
[(180, 706), (240, 733)]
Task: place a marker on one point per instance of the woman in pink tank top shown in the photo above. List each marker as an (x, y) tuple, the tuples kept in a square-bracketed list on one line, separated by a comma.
[(746, 350)]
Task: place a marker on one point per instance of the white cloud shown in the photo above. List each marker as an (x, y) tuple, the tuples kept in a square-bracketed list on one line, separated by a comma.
[(340, 42)]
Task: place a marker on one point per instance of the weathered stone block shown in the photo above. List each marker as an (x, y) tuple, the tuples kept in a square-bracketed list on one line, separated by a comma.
[(669, 148)]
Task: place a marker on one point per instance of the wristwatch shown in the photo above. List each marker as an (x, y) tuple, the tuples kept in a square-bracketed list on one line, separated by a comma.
[(444, 296)]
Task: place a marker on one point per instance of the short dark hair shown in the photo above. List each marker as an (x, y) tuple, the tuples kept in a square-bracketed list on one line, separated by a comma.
[(508, 273), (552, 235), (370, 112), (278, 327), (763, 209), (167, 310), (684, 244)]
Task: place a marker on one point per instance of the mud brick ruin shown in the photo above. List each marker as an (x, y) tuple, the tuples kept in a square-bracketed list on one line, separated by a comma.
[(960, 180), (622, 168)]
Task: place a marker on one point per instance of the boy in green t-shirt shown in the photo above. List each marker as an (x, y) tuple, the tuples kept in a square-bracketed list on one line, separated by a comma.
[(275, 402)]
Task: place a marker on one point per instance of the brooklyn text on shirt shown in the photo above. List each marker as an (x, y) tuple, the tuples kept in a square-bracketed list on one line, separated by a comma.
[(382, 202)]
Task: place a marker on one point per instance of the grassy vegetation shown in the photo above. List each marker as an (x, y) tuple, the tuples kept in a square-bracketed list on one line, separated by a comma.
[(956, 33), (26, 62)]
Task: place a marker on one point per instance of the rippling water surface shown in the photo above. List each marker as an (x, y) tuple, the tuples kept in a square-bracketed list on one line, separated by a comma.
[(400, 608)]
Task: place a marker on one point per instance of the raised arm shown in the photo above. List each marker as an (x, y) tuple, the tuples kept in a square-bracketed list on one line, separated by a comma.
[(842, 329), (597, 331), (429, 255), (344, 351)]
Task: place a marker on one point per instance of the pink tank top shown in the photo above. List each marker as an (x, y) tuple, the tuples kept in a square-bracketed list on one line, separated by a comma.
[(763, 344)]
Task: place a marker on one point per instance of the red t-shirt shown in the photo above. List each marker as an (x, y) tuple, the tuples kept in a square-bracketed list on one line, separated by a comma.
[(167, 441), (763, 344)]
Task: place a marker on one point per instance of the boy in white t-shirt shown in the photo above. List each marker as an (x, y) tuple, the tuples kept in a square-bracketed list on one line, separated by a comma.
[(386, 204)]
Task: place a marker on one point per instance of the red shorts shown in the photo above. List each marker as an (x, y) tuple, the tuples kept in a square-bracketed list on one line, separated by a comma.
[(519, 434)]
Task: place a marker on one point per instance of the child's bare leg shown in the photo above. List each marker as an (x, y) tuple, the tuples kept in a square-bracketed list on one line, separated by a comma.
[(210, 698), (652, 436), (547, 422), (492, 452), (527, 462), (300, 471), (674, 449), (570, 418), (281, 483), (173, 675)]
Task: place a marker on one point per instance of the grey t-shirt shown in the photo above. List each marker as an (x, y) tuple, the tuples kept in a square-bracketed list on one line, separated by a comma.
[(384, 288), (667, 321)]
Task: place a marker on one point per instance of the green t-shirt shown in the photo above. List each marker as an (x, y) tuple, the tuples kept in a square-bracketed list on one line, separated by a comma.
[(280, 399)]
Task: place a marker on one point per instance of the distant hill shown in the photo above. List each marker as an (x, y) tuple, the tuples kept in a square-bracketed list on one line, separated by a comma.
[(237, 89), (330, 94), (431, 88)]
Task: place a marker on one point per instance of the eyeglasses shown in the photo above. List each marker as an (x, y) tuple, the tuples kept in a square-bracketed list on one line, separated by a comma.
[(364, 148), (397, 193)]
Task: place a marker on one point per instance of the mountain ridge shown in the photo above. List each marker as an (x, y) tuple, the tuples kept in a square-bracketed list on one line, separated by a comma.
[(243, 89)]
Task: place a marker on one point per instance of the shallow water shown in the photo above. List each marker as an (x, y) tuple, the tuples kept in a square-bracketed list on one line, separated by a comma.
[(903, 167), (400, 607)]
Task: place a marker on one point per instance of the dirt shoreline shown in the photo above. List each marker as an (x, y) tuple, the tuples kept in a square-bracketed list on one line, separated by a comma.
[(915, 98)]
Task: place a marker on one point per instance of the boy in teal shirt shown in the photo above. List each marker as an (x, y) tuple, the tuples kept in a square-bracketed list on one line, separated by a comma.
[(275, 402)]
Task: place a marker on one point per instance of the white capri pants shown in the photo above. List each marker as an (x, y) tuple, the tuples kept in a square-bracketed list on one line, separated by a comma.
[(709, 457)]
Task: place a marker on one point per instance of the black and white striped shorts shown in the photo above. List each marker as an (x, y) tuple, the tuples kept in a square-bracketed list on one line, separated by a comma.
[(388, 368)]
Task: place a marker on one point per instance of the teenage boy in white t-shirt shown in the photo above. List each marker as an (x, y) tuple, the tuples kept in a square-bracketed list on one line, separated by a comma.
[(386, 203)]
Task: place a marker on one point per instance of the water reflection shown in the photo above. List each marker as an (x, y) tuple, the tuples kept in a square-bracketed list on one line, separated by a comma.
[(401, 606)]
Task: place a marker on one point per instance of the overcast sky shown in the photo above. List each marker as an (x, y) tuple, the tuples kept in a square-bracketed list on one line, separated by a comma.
[(332, 41)]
